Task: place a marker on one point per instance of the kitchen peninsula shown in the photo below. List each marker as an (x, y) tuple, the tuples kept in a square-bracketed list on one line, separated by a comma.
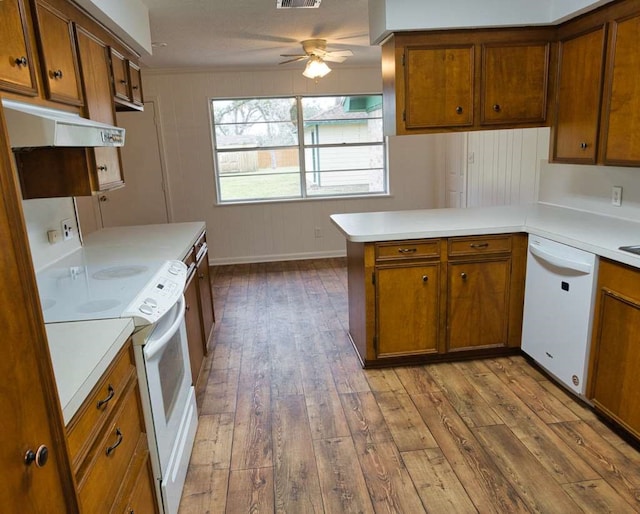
[(461, 271)]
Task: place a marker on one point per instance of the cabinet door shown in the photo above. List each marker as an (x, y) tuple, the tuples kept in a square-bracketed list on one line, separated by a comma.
[(96, 81), (622, 114), (206, 297), (17, 72), (120, 76), (407, 300), (439, 86), (135, 80), (478, 304), (58, 55), (194, 327), (614, 382), (514, 83), (580, 68)]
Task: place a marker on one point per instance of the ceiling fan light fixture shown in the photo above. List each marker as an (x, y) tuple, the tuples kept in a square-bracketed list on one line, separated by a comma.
[(316, 68)]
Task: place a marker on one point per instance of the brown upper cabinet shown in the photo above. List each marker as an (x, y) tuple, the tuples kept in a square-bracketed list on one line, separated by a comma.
[(466, 79), (58, 57), (580, 68), (598, 102), (127, 83), (17, 71)]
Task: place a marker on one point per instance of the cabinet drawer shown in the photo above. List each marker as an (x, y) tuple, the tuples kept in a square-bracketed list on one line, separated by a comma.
[(102, 401), (416, 249), (111, 455), (460, 246)]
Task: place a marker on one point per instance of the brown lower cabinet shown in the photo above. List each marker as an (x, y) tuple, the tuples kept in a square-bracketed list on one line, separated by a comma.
[(194, 327), (614, 382), (108, 444), (436, 299)]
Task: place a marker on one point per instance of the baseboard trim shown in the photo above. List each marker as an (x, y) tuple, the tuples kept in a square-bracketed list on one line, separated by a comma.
[(276, 257)]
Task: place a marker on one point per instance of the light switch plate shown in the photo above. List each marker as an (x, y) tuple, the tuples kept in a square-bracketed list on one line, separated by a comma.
[(616, 196)]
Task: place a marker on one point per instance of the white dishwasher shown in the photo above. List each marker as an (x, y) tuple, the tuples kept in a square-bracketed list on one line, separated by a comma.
[(558, 309)]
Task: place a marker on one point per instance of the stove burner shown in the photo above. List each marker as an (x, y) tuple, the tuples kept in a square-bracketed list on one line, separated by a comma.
[(119, 272), (97, 306)]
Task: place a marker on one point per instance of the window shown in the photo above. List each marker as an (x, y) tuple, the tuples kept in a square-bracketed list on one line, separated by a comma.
[(298, 147)]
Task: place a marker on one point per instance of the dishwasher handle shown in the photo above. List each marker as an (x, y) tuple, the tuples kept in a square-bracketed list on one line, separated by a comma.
[(560, 261)]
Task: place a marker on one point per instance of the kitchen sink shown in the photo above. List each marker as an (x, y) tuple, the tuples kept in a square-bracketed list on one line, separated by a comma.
[(632, 249)]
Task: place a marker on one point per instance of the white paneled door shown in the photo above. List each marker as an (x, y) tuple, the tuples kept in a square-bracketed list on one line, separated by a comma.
[(143, 200), (455, 166)]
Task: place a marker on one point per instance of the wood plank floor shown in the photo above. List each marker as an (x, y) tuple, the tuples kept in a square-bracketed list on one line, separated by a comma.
[(291, 423)]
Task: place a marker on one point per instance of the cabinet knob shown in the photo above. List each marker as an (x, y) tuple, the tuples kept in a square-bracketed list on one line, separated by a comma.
[(56, 74), (583, 145), (479, 245), (496, 107), (459, 109), (123, 82), (425, 278), (135, 88), (187, 307), (21, 61), (40, 456), (463, 275), (407, 250), (102, 167)]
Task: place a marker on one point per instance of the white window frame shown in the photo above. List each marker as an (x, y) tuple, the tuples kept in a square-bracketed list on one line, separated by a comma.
[(301, 147)]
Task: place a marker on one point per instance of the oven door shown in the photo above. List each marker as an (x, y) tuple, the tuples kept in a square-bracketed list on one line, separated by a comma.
[(169, 383)]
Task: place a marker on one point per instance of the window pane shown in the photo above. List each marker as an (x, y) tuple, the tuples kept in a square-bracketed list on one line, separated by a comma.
[(342, 119), (344, 158), (255, 122), (324, 183), (256, 174)]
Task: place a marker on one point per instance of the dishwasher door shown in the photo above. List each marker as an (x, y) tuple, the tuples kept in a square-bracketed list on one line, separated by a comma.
[(558, 309)]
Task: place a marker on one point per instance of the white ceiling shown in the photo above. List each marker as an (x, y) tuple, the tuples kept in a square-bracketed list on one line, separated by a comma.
[(253, 33)]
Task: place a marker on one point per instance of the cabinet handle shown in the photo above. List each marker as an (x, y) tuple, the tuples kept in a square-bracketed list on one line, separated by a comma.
[(459, 109), (56, 74), (117, 443), (40, 456), (496, 107), (479, 245), (425, 278), (21, 61), (123, 82), (463, 275), (583, 146), (109, 397), (187, 307), (134, 88), (407, 250), (102, 168)]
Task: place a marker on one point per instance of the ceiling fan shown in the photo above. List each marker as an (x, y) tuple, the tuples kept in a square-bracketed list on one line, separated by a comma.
[(315, 51)]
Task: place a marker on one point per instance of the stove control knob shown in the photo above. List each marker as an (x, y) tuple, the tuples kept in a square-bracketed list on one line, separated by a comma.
[(145, 309), (174, 270), (151, 302)]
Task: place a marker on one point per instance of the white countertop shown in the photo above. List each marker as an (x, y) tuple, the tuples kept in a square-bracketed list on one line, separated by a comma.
[(81, 352), (599, 234)]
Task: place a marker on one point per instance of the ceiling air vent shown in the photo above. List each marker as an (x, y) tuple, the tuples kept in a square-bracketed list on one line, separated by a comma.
[(301, 4)]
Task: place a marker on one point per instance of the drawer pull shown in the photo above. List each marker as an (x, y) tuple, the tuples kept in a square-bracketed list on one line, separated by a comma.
[(21, 61), (463, 275), (425, 278), (56, 74), (407, 250), (118, 442), (109, 397), (479, 245)]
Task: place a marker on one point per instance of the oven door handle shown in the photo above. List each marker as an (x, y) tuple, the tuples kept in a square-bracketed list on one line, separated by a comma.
[(151, 349)]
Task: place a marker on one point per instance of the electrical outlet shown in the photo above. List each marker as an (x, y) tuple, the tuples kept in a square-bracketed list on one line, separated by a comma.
[(318, 232), (616, 196), (53, 236), (67, 229)]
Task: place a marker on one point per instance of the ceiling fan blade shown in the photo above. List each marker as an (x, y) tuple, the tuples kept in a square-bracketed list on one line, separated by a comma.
[(300, 58), (334, 58), (294, 55), (339, 53)]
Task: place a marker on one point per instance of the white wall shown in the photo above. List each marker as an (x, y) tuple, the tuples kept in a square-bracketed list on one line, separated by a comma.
[(589, 188), (282, 230), (503, 166), (46, 214), (387, 16)]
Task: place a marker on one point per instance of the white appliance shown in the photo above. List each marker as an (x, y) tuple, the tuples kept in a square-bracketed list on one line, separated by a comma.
[(102, 284), (558, 309)]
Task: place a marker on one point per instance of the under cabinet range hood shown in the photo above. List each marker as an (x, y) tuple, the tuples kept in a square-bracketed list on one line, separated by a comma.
[(32, 126)]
